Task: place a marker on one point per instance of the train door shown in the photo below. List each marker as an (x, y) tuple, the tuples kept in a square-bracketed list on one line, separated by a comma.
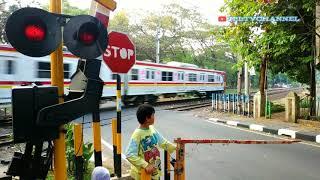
[(181, 80), (202, 83), (151, 79)]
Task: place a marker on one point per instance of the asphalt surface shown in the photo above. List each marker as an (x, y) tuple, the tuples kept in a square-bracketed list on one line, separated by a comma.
[(223, 162)]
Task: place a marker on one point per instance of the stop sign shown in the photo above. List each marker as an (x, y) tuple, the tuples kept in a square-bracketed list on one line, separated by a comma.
[(120, 54)]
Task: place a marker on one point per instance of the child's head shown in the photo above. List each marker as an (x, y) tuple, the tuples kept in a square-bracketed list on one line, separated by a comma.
[(145, 114)]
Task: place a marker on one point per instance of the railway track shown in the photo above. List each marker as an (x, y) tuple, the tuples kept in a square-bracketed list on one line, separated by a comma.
[(189, 106), (178, 105), (6, 139)]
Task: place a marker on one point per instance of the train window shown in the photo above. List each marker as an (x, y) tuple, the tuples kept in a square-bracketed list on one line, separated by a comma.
[(66, 69), (202, 77), (44, 70), (150, 74), (210, 78), (192, 77), (166, 76), (134, 74), (114, 76), (10, 65), (180, 76)]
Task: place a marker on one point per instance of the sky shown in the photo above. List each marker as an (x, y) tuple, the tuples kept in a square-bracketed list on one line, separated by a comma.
[(208, 8)]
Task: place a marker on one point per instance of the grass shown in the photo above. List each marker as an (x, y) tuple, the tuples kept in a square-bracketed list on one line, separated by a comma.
[(87, 174)]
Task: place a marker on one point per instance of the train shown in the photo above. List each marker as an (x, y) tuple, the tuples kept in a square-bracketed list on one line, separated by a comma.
[(145, 82)]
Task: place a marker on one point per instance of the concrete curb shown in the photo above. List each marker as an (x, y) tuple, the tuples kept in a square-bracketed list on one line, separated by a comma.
[(306, 136)]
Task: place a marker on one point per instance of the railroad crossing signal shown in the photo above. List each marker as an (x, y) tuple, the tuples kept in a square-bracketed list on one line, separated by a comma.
[(85, 36), (120, 55), (35, 32)]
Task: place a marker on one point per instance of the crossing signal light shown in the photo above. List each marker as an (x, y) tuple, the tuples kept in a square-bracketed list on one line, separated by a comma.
[(85, 36), (35, 32)]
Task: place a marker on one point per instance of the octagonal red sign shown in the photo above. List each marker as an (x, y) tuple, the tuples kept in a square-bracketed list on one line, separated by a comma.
[(120, 54)]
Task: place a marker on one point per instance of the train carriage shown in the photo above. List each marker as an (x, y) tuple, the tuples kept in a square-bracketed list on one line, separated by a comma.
[(144, 82)]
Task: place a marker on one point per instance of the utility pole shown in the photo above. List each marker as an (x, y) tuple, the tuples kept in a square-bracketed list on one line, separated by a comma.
[(57, 79), (158, 45)]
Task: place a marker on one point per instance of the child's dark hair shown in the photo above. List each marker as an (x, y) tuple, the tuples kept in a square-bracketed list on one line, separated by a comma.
[(144, 111)]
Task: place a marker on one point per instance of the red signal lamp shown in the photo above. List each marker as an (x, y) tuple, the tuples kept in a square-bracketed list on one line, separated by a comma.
[(34, 32), (87, 38), (88, 33)]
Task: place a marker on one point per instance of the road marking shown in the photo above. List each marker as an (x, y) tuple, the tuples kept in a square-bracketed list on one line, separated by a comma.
[(287, 132), (256, 127), (232, 123), (261, 133), (109, 146)]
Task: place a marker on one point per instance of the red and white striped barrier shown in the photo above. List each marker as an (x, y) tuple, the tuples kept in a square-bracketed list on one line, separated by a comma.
[(230, 141)]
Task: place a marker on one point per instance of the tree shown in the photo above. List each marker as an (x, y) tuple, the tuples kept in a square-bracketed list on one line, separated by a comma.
[(4, 14), (185, 37), (67, 8), (285, 47)]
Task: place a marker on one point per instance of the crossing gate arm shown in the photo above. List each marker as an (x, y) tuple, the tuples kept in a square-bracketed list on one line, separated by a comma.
[(230, 141), (179, 167)]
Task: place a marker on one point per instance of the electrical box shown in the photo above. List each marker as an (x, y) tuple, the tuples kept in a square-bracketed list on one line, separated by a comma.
[(27, 101)]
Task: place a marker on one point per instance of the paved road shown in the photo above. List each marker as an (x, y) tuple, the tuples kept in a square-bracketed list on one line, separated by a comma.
[(226, 162)]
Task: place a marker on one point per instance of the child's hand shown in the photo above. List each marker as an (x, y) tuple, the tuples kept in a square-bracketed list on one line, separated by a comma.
[(150, 169)]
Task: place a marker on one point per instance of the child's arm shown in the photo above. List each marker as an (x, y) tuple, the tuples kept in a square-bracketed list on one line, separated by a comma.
[(133, 156), (164, 143)]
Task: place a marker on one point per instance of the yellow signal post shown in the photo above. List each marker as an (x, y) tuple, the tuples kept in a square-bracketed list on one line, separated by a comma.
[(97, 139), (118, 137), (60, 170), (78, 151)]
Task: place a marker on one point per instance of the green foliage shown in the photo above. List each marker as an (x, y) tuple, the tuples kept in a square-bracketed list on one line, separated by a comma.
[(185, 37), (67, 8), (277, 108), (5, 13), (70, 151), (288, 45), (86, 175)]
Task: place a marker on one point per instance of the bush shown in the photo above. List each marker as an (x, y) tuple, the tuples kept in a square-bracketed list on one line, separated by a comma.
[(277, 108), (70, 153)]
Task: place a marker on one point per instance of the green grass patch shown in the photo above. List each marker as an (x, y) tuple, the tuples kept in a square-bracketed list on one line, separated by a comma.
[(231, 91), (86, 175)]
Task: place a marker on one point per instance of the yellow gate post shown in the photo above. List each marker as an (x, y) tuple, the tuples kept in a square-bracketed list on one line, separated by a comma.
[(97, 139), (179, 166), (60, 171), (144, 175), (78, 151)]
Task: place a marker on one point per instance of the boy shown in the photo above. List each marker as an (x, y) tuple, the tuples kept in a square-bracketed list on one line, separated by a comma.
[(142, 151)]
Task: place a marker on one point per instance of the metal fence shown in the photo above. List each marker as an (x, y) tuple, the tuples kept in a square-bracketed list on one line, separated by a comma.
[(237, 104), (304, 107)]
